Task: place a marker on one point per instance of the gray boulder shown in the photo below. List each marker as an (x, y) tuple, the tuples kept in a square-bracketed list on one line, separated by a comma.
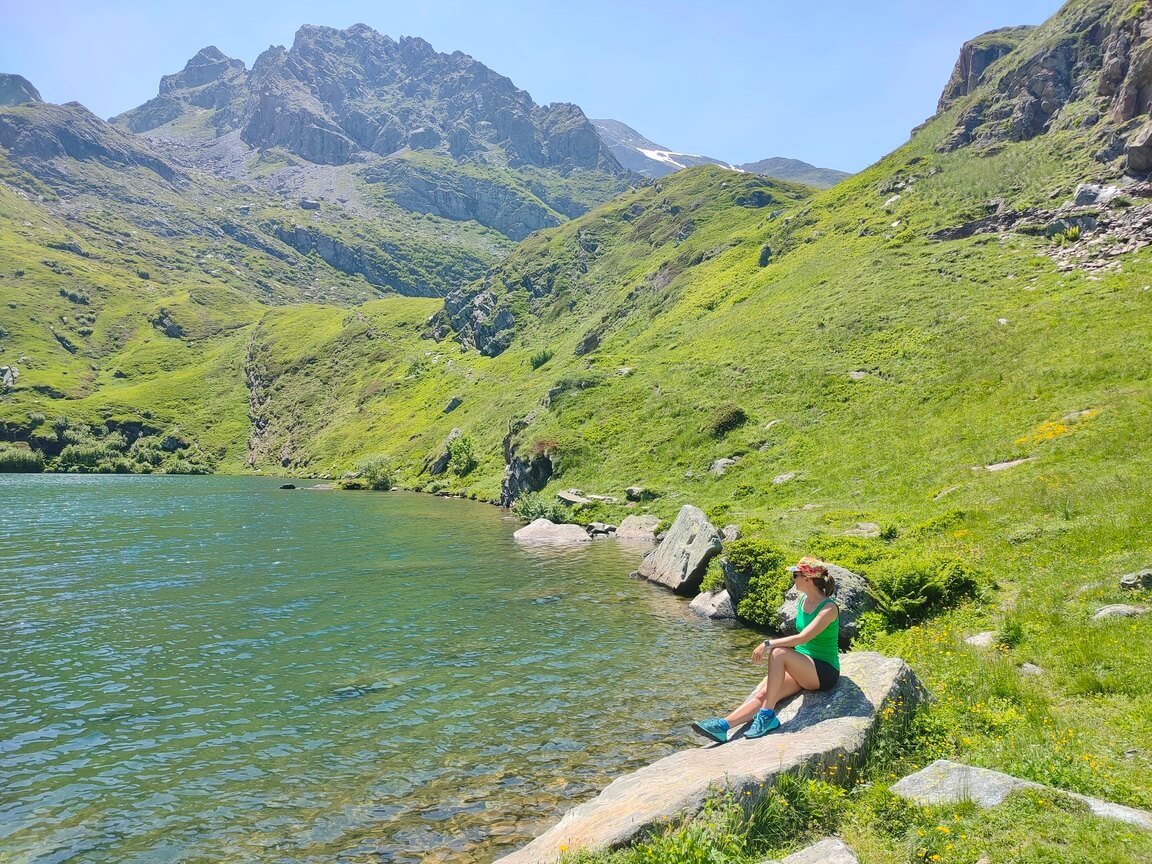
[(945, 782), (831, 850), (852, 595), (729, 533), (820, 730), (1139, 150), (721, 465), (544, 531), (680, 559), (1120, 610), (714, 605), (638, 528), (1140, 580), (1094, 193)]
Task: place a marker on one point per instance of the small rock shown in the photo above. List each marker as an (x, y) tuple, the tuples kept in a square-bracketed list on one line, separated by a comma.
[(602, 528), (288, 486), (1094, 193), (1031, 670), (771, 423), (453, 403), (607, 499), (982, 640), (714, 605), (828, 851), (720, 466), (1140, 580), (944, 492), (309, 204), (572, 496), (858, 374), (729, 533), (863, 529), (891, 201), (637, 493), (784, 478), (625, 371), (1120, 610), (1004, 466), (1001, 321)]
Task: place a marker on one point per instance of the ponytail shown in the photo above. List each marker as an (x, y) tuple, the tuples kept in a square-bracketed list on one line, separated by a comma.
[(826, 583)]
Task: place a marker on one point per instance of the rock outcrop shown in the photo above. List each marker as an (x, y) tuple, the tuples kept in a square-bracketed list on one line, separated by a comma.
[(17, 90), (682, 556), (820, 730), (641, 528), (946, 782)]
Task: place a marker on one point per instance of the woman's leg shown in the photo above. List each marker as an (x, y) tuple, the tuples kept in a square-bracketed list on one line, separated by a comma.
[(755, 699), (789, 672)]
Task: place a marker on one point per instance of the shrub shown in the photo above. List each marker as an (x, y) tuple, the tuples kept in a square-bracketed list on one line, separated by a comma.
[(761, 565), (909, 588), (377, 472), (461, 456), (725, 418), (713, 576), (20, 460), (83, 457), (532, 506), (540, 358)]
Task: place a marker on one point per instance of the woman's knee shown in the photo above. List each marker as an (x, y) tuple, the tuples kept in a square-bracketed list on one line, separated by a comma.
[(779, 654)]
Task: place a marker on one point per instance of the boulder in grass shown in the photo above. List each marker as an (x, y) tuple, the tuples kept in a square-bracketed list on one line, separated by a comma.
[(1120, 610), (1140, 580), (852, 595), (545, 531), (714, 605), (682, 556), (831, 850)]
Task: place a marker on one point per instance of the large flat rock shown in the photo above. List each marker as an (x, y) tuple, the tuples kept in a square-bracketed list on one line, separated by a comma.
[(820, 730), (945, 782)]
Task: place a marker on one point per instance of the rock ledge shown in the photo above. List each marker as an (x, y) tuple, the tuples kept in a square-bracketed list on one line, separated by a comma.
[(820, 729)]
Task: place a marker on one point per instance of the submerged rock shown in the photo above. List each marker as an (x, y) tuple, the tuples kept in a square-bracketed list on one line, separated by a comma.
[(714, 605)]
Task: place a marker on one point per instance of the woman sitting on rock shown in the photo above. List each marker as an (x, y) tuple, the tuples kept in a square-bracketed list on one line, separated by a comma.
[(810, 660)]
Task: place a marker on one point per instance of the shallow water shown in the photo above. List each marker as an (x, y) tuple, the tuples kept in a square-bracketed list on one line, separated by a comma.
[(211, 669)]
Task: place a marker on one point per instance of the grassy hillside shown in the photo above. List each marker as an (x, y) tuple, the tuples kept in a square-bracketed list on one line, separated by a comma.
[(979, 399)]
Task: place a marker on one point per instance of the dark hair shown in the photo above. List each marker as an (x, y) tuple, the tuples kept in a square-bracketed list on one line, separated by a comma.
[(826, 583)]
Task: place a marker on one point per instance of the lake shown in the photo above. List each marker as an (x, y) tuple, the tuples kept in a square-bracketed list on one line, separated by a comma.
[(212, 669)]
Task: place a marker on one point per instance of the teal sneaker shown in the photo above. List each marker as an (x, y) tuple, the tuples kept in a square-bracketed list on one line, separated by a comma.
[(762, 724), (717, 730)]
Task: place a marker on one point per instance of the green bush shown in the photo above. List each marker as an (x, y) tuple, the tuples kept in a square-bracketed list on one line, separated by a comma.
[(761, 564), (83, 458), (532, 506), (19, 460), (540, 358), (910, 587), (725, 418), (461, 456), (713, 576), (377, 472)]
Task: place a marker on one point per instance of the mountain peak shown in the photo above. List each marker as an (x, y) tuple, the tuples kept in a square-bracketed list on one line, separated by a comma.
[(17, 90), (208, 65)]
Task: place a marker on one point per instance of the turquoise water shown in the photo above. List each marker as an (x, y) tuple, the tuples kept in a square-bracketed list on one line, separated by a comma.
[(211, 669)]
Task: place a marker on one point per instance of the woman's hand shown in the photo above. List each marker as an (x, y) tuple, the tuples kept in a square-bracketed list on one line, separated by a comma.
[(759, 651)]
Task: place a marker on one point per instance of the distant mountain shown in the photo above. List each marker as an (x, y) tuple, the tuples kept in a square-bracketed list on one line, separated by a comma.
[(17, 90), (646, 157), (795, 170)]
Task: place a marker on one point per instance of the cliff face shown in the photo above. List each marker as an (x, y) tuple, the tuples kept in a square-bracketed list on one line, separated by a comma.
[(1089, 67), (338, 93)]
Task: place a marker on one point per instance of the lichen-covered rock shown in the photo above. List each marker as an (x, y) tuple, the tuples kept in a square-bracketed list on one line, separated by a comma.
[(831, 850), (682, 556), (1119, 610), (1140, 580), (820, 730)]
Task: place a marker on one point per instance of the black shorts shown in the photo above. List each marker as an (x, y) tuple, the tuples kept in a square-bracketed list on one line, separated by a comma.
[(827, 673)]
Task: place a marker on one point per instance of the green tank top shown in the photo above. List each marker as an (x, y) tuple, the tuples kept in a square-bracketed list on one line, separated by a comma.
[(825, 645)]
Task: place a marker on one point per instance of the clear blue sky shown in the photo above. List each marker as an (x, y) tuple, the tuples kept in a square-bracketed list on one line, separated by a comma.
[(836, 83)]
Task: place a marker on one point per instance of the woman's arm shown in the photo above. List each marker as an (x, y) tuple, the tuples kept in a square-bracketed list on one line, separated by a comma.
[(816, 626)]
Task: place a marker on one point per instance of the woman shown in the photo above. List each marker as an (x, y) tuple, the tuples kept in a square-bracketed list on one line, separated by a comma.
[(810, 660)]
